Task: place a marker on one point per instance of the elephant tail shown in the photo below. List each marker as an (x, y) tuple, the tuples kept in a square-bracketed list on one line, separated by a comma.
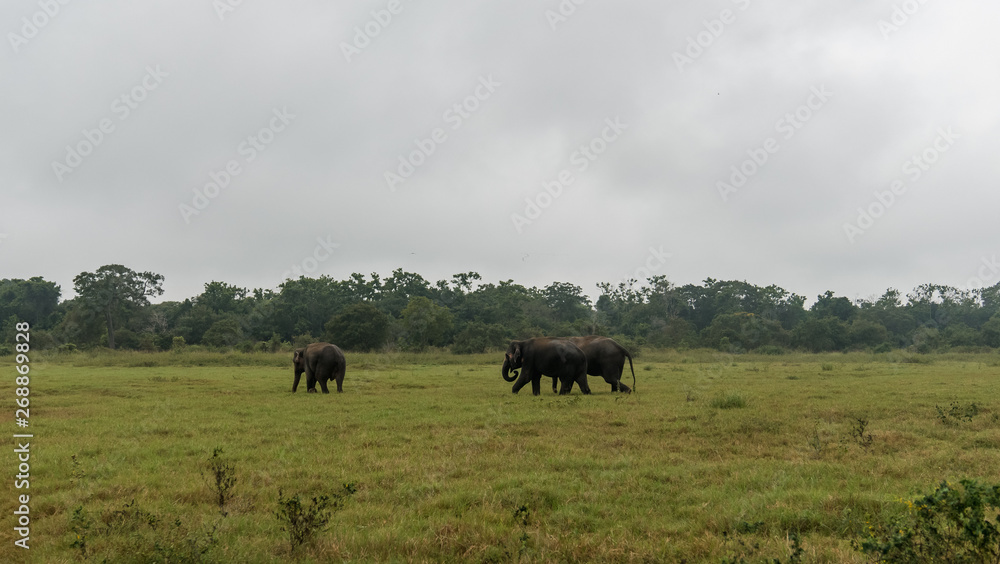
[(629, 356)]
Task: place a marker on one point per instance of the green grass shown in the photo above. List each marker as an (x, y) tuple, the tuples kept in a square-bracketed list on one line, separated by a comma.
[(450, 466)]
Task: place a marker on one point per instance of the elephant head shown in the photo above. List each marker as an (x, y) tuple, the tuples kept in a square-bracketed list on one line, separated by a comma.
[(513, 360), (299, 362)]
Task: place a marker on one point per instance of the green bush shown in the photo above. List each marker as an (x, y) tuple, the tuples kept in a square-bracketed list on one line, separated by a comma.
[(360, 327), (955, 525), (732, 400), (478, 337)]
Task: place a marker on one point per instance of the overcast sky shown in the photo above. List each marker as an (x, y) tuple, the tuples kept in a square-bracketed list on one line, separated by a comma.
[(732, 139)]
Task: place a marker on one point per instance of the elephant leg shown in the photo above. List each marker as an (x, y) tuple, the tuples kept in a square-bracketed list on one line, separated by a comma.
[(310, 381), (322, 384), (340, 381), (523, 379), (582, 380), (295, 383), (536, 385), (567, 386), (554, 381)]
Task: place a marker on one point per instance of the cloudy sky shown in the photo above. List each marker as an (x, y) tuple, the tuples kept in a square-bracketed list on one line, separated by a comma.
[(848, 146)]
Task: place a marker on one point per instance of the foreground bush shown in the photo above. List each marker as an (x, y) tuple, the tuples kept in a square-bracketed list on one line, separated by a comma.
[(955, 525)]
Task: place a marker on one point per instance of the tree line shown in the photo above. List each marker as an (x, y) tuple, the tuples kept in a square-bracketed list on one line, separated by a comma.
[(404, 311)]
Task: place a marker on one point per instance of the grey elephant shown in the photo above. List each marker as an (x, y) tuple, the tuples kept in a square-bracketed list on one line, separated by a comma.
[(320, 362), (558, 358), (605, 358)]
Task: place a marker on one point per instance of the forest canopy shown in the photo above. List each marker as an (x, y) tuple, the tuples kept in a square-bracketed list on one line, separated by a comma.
[(404, 311)]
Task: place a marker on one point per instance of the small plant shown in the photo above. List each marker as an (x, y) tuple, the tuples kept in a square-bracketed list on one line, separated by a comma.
[(183, 548), (128, 519), (221, 478), (303, 522), (949, 525), (523, 516), (746, 552), (78, 473), (957, 413), (80, 524), (797, 550), (826, 367), (731, 400), (860, 433), (817, 443)]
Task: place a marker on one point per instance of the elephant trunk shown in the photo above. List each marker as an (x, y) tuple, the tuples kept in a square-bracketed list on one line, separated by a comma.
[(506, 370)]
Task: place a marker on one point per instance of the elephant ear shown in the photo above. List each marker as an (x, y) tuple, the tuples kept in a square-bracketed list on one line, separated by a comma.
[(298, 356)]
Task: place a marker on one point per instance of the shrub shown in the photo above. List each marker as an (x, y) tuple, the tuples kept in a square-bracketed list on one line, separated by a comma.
[(221, 478), (302, 340), (303, 522), (147, 342), (360, 327), (478, 337), (957, 412), (126, 339), (223, 333), (956, 525), (731, 400)]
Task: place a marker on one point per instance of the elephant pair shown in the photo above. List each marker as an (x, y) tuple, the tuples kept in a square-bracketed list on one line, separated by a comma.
[(568, 360), (321, 362)]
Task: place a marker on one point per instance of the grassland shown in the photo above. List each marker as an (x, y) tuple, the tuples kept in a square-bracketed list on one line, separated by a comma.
[(716, 456)]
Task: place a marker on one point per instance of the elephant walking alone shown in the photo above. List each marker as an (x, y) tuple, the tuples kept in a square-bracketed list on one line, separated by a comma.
[(544, 356), (320, 362)]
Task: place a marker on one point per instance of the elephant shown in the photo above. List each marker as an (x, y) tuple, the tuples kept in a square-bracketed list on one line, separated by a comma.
[(605, 358), (320, 362), (544, 356)]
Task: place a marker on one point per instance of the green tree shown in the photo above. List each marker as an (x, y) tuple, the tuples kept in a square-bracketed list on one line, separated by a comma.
[(114, 291), (991, 331), (817, 335), (566, 302), (33, 300), (827, 305), (359, 327), (223, 333), (478, 337), (746, 330), (425, 323), (222, 298), (867, 333)]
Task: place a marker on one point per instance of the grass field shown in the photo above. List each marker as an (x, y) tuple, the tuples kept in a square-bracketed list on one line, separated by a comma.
[(716, 457)]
